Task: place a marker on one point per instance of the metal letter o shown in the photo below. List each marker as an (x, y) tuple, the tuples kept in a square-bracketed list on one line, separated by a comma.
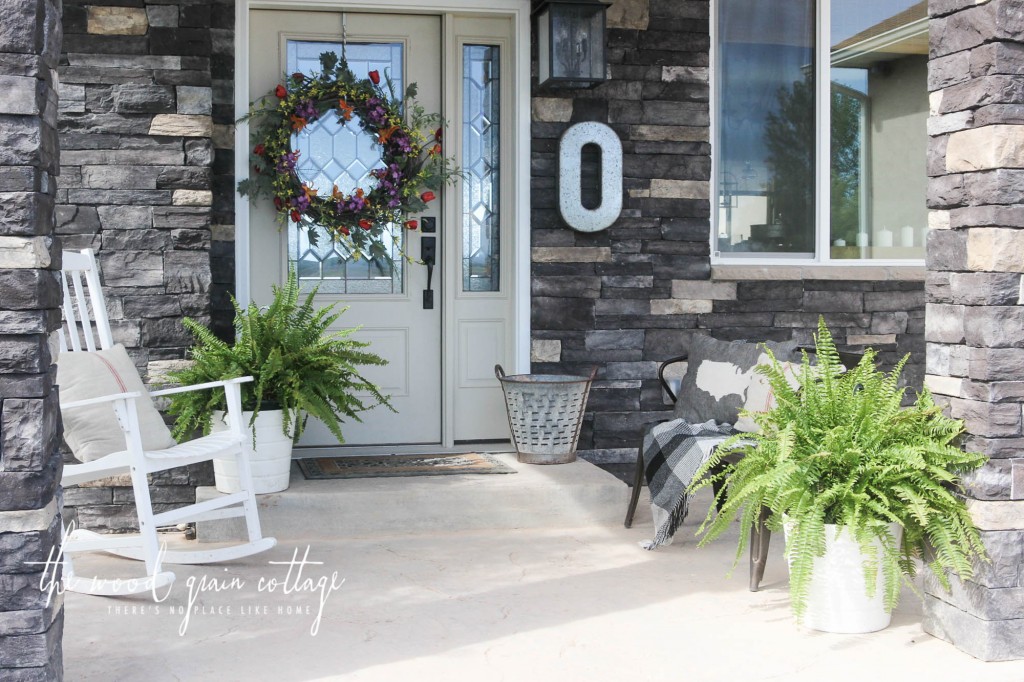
[(570, 166)]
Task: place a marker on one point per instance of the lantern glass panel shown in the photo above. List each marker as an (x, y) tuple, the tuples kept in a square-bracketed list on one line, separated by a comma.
[(577, 34)]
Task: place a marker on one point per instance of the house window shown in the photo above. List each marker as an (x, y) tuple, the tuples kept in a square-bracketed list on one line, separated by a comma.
[(820, 134)]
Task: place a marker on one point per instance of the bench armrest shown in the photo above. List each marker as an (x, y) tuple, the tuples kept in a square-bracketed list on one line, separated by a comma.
[(661, 375)]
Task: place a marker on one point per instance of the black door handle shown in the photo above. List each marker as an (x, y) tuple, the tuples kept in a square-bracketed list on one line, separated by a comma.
[(428, 255)]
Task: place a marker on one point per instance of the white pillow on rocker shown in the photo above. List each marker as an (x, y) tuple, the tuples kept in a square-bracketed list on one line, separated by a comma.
[(93, 431)]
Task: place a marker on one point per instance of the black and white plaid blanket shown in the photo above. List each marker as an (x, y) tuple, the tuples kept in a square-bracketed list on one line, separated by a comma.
[(673, 451)]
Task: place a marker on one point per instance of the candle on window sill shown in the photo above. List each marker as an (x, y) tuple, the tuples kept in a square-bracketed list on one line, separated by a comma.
[(883, 238), (907, 236), (862, 239)]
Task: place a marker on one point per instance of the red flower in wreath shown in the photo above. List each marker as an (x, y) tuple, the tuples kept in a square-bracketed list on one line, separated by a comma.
[(280, 92), (278, 203), (375, 77), (428, 196), (258, 150), (411, 224), (344, 230), (296, 216), (298, 76), (365, 224)]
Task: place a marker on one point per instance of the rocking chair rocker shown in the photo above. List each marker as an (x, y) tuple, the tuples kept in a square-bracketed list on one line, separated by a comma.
[(80, 335)]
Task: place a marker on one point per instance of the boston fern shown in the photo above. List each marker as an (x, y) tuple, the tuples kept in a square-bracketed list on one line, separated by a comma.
[(840, 449), (298, 366)]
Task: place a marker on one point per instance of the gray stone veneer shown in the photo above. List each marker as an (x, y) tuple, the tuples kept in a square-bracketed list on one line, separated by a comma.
[(623, 299), (142, 85), (630, 297), (30, 524), (975, 260)]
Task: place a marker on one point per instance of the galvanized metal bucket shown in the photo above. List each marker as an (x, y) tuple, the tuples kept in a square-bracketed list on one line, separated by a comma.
[(545, 413)]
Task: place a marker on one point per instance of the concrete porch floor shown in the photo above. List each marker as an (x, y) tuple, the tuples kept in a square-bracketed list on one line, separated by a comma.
[(560, 604)]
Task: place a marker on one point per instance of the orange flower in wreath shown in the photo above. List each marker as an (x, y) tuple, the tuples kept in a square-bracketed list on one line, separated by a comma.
[(386, 134), (345, 109)]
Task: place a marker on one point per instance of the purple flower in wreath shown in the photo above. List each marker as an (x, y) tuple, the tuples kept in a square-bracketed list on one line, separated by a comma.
[(307, 110), (375, 111), (301, 202), (356, 203), (287, 162), (400, 142)]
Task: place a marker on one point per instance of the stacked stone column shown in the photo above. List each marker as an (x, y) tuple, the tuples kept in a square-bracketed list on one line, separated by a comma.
[(137, 112), (974, 318), (30, 626)]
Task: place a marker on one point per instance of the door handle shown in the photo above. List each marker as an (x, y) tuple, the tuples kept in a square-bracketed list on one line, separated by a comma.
[(428, 255)]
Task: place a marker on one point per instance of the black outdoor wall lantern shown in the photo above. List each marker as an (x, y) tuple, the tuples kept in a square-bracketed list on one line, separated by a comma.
[(570, 43)]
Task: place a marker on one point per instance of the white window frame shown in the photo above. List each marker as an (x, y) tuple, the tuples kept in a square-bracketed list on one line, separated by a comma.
[(822, 160)]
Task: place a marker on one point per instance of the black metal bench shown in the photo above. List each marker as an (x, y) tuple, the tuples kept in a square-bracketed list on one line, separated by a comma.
[(760, 537)]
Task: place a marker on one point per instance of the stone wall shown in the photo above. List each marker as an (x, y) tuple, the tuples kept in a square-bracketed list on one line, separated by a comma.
[(975, 321), (31, 625), (625, 299), (138, 170), (630, 297)]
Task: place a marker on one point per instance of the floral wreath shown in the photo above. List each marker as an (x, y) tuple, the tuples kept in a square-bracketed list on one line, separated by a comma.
[(412, 163)]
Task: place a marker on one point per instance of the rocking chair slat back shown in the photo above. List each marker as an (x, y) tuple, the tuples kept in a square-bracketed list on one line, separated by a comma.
[(80, 280)]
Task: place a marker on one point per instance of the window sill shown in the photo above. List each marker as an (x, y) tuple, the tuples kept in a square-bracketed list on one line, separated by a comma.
[(901, 273)]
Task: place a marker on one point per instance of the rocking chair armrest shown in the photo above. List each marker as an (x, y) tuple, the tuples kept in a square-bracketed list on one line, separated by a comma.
[(200, 387), (131, 395)]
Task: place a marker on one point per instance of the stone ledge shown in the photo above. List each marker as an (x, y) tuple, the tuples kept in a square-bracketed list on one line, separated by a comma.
[(545, 350), (30, 520), (997, 515), (181, 125), (739, 273), (571, 254), (117, 21), (25, 252)]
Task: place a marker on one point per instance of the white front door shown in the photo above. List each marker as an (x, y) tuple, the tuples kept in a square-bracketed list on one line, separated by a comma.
[(441, 358)]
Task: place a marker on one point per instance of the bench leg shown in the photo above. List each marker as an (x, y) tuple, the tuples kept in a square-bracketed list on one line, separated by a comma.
[(760, 538), (638, 482)]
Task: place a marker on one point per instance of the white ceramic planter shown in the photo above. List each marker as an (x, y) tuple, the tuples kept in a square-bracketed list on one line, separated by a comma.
[(271, 461), (837, 600)]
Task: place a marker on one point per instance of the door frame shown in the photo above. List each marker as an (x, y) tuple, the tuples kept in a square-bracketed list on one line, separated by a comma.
[(519, 13)]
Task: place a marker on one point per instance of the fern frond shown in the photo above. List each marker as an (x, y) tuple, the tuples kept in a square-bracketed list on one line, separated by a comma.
[(299, 364), (842, 449)]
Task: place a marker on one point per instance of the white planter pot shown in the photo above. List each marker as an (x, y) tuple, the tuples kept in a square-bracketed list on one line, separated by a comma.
[(837, 600), (271, 461)]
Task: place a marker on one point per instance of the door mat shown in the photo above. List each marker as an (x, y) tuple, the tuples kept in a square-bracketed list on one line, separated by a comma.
[(386, 466)]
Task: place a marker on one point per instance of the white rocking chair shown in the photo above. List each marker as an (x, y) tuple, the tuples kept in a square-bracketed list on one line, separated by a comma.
[(79, 331)]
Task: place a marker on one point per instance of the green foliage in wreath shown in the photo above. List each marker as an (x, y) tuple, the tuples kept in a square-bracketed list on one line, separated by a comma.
[(409, 140), (298, 365), (842, 449)]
